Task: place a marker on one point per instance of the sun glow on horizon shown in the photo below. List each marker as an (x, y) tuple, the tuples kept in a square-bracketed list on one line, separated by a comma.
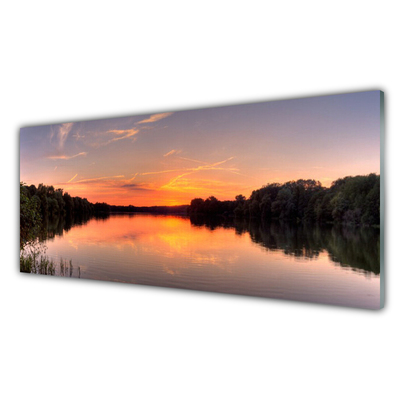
[(170, 158)]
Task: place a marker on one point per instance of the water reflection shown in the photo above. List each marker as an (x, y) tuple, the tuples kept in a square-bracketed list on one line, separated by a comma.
[(332, 265), (351, 247), (57, 225)]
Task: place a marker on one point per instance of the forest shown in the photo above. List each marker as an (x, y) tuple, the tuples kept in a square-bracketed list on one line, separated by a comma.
[(54, 202), (44, 206), (44, 203), (350, 200)]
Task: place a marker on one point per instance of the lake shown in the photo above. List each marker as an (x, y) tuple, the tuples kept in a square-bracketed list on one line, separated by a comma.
[(331, 265)]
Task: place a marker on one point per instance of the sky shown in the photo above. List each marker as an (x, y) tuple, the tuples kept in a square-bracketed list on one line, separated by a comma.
[(169, 158)]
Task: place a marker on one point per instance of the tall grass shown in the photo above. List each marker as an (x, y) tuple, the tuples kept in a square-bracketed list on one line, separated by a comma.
[(34, 261), (34, 264)]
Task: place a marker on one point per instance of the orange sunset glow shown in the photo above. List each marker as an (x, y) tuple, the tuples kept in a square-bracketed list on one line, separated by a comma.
[(170, 158)]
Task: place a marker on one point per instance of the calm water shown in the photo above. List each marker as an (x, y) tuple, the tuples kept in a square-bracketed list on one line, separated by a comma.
[(331, 265)]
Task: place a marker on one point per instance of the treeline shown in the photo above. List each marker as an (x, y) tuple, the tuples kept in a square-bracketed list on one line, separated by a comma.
[(152, 210), (55, 203), (351, 200)]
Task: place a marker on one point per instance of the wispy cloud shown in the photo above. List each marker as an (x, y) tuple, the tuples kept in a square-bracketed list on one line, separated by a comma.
[(173, 183), (122, 134), (155, 117), (65, 157), (170, 153), (125, 132), (62, 132), (77, 136), (165, 171), (101, 178), (104, 184), (180, 181), (192, 160), (72, 178), (136, 186), (133, 178), (187, 171)]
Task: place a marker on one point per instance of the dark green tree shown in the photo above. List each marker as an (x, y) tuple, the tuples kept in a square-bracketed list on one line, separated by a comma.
[(30, 217)]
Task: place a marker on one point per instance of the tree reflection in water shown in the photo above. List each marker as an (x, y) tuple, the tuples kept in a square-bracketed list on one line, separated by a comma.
[(351, 247)]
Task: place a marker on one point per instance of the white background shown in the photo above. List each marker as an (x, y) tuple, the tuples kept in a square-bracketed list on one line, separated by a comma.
[(65, 61)]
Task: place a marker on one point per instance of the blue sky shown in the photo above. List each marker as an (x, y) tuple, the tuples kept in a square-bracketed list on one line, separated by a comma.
[(172, 157)]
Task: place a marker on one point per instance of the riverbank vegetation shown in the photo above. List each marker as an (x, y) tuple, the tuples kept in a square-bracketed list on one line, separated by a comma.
[(350, 200), (36, 207), (46, 212), (54, 202)]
